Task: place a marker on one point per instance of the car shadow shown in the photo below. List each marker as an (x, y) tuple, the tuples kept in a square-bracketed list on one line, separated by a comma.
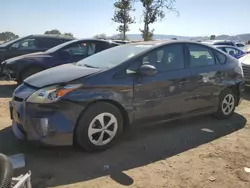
[(246, 95), (140, 145), (6, 90)]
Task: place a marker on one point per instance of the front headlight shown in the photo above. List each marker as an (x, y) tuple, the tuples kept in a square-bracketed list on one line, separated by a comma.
[(51, 94)]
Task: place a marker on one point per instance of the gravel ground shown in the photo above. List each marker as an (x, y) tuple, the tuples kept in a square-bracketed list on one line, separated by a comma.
[(197, 152)]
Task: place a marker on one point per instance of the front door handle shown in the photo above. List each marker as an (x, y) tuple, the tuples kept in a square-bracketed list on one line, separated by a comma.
[(184, 81)]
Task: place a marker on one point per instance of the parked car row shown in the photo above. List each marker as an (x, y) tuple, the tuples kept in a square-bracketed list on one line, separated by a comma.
[(21, 67), (92, 101), (235, 49)]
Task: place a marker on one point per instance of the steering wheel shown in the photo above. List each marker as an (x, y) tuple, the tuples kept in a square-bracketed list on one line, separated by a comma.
[(6, 171)]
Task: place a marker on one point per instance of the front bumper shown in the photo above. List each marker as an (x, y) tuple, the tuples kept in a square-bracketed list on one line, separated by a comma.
[(7, 73), (51, 124)]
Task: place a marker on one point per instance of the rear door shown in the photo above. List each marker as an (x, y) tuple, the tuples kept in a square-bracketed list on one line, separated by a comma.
[(206, 78), (162, 96)]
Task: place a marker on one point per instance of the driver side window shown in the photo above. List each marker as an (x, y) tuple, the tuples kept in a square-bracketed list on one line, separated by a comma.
[(26, 44), (81, 49)]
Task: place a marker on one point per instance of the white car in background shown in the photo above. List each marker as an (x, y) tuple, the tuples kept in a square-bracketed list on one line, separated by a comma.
[(245, 63)]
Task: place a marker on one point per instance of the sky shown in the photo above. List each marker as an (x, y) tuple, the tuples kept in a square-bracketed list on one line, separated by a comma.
[(86, 18)]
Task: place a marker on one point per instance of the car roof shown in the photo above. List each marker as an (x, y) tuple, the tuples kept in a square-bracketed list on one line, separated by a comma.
[(164, 42)]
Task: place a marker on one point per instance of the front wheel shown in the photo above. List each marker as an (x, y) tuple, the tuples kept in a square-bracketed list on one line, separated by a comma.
[(227, 104), (98, 127)]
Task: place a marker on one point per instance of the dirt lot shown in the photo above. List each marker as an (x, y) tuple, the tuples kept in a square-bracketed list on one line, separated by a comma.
[(199, 152)]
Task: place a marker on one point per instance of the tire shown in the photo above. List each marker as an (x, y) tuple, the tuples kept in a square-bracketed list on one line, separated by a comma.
[(89, 119), (6, 171), (224, 110), (25, 73)]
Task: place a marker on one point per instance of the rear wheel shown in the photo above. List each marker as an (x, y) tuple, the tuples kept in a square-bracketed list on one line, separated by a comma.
[(227, 104), (99, 127), (28, 72)]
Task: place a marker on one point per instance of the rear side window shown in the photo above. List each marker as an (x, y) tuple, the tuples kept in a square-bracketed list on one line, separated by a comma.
[(200, 56), (221, 58)]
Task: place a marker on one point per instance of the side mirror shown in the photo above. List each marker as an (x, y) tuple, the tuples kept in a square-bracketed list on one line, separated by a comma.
[(147, 70), (14, 47)]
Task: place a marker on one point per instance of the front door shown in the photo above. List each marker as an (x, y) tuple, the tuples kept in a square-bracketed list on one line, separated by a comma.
[(162, 96)]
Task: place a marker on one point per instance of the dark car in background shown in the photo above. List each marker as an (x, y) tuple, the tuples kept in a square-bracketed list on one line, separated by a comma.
[(21, 67), (231, 50), (30, 44), (91, 102)]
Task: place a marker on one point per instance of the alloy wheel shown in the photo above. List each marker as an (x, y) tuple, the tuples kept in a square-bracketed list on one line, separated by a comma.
[(228, 104), (102, 129)]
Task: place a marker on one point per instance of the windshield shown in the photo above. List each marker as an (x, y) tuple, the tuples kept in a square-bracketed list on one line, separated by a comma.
[(58, 47), (113, 56), (11, 41)]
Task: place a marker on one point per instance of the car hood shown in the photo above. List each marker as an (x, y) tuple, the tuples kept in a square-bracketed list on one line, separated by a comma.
[(58, 75), (28, 56), (245, 60)]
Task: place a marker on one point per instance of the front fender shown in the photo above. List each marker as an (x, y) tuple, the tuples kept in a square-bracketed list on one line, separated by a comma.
[(122, 99)]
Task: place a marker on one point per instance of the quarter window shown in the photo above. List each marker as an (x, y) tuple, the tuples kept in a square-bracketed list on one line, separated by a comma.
[(200, 56)]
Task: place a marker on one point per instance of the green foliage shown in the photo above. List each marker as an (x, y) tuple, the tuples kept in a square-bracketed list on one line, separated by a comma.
[(212, 37), (154, 11), (100, 36), (6, 36), (68, 34), (123, 8), (53, 32), (148, 35)]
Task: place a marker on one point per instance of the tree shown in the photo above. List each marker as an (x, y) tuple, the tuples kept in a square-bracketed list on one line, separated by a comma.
[(69, 34), (53, 31), (6, 36), (100, 36), (212, 37), (153, 11), (122, 16)]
